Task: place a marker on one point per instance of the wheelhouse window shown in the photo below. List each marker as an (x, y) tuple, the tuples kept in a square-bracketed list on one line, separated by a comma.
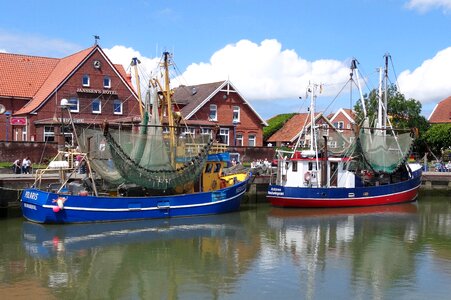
[(106, 82), (49, 134), (213, 112), (252, 140), (85, 80), (295, 166), (74, 105), (117, 107), (236, 114), (96, 106)]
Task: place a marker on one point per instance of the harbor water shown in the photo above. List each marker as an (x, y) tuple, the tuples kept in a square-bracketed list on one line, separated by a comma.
[(385, 252)]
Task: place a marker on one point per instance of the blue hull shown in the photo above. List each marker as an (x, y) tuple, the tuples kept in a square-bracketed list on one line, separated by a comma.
[(39, 206), (401, 192)]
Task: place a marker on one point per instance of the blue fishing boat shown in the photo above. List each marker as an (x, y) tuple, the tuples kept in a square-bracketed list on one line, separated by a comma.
[(154, 169)]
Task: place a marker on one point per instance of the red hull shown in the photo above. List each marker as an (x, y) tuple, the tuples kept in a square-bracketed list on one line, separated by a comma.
[(401, 197)]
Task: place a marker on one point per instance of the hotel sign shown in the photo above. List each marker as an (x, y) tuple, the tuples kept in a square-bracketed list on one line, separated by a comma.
[(96, 91), (18, 121)]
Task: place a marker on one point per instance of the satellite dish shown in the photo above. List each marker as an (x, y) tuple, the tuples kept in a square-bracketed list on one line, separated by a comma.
[(2, 109)]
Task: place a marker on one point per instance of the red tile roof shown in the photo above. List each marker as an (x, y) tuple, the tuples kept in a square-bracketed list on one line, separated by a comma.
[(441, 112), (60, 72), (21, 76), (192, 96), (291, 128)]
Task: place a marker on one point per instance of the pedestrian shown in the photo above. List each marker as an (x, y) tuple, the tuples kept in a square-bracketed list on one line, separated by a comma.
[(26, 165), (16, 167)]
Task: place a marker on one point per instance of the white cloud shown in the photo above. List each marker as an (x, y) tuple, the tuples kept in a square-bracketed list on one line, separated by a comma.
[(266, 71), (430, 81), (260, 71), (123, 55), (3, 51), (35, 45), (427, 5)]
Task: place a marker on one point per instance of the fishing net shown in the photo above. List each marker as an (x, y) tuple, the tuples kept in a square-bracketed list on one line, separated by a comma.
[(384, 151)]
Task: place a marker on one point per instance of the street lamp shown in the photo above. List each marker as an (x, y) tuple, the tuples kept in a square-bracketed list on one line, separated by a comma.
[(64, 104)]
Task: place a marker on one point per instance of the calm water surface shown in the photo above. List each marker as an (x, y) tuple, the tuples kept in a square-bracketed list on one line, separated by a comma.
[(387, 252)]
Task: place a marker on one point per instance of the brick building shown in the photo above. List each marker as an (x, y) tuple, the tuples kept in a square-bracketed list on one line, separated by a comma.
[(31, 90), (220, 104)]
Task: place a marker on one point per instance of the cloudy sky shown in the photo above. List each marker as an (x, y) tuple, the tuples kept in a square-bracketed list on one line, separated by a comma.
[(270, 50)]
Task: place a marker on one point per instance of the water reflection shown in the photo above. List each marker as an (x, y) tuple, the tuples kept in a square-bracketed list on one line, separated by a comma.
[(373, 243), (142, 258), (399, 251)]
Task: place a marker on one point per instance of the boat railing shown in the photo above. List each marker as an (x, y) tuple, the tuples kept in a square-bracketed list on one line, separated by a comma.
[(65, 164)]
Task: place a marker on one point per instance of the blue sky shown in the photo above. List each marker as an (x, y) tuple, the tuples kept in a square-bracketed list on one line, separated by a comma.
[(270, 50)]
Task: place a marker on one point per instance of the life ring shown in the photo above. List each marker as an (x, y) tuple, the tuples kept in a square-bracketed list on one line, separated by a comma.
[(307, 176)]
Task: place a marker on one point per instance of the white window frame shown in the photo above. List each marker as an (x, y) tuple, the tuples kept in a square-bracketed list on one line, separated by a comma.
[(252, 140), (74, 105), (88, 80), (189, 131), (206, 131), (107, 86), (326, 129), (213, 109), (224, 134), (236, 114), (340, 125), (99, 111), (239, 139), (115, 102), (49, 132)]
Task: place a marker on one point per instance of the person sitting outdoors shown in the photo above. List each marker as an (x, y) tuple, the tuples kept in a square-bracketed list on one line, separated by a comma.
[(26, 165), (16, 167)]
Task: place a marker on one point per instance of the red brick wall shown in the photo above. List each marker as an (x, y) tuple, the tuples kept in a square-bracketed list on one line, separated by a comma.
[(51, 110), (249, 122), (38, 152)]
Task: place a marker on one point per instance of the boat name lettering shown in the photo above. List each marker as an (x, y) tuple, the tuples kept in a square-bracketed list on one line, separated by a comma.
[(96, 91), (240, 189), (30, 206), (31, 195), (276, 192)]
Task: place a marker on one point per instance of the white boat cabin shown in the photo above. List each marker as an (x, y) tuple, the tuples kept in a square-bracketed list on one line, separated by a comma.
[(304, 169)]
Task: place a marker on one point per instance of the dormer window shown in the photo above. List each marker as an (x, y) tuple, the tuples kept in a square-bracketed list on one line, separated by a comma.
[(85, 80), (213, 113), (236, 114), (107, 82)]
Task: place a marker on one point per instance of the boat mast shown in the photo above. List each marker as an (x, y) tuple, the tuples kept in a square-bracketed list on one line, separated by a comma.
[(386, 56), (355, 70), (313, 144), (134, 63), (168, 102)]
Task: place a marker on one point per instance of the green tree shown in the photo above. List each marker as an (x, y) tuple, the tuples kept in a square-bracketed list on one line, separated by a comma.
[(438, 137), (403, 113)]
